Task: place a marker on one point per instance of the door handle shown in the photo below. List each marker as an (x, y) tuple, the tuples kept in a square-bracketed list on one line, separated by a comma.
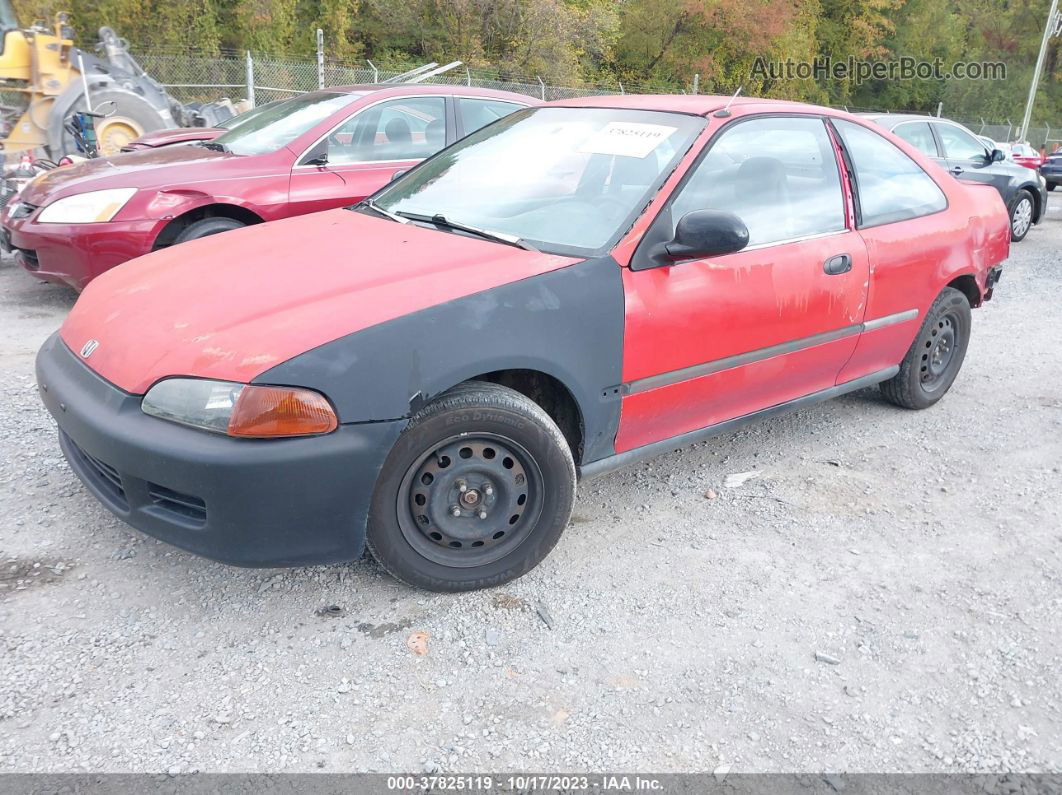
[(834, 266), (956, 170)]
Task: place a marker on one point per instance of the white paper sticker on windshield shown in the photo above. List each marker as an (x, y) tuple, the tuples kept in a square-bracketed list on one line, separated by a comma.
[(627, 138)]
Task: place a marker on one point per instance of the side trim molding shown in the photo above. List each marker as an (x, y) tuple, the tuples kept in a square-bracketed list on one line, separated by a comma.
[(743, 359), (890, 320), (605, 465)]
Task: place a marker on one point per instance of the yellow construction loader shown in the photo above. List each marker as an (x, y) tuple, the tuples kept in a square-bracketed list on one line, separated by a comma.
[(45, 79)]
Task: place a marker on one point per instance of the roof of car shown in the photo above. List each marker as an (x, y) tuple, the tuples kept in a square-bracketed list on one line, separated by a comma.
[(699, 104)]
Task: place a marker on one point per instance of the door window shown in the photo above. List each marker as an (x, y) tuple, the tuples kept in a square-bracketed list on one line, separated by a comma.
[(400, 129), (892, 187), (476, 113), (779, 175), (918, 134), (959, 144)]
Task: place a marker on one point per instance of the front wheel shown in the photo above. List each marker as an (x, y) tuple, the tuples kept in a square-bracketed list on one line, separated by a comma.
[(1021, 215), (206, 227), (934, 359), (476, 491)]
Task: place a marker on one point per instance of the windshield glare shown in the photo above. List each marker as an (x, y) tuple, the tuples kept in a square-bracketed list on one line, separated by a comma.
[(567, 180), (281, 123)]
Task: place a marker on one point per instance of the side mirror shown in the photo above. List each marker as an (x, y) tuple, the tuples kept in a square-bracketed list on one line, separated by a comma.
[(703, 233), (399, 173), (318, 156), (997, 156)]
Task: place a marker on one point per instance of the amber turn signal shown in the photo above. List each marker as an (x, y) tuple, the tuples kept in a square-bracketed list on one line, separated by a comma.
[(264, 412)]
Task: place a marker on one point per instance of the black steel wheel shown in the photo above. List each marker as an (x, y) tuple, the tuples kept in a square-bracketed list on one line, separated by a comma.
[(470, 500), (476, 491), (938, 351), (934, 359)]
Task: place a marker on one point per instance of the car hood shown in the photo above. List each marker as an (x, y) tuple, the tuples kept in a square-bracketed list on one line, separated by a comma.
[(231, 306), (177, 135), (146, 168)]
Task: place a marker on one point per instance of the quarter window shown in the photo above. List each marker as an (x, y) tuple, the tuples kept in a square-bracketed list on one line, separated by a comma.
[(476, 113), (918, 134), (779, 175), (401, 129), (959, 144), (892, 187)]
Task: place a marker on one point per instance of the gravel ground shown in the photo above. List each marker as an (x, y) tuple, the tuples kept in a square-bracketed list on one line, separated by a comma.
[(883, 596)]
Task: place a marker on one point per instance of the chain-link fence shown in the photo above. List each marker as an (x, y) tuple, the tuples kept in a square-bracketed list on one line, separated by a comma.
[(191, 78), (199, 79)]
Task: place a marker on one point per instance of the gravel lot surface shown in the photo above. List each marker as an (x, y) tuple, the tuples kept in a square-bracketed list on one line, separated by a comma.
[(884, 595)]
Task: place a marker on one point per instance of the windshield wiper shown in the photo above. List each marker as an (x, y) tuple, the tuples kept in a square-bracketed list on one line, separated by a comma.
[(441, 220), (214, 146), (378, 209)]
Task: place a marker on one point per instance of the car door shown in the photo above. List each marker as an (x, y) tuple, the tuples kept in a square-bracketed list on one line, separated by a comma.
[(920, 136), (713, 339), (967, 157), (362, 154)]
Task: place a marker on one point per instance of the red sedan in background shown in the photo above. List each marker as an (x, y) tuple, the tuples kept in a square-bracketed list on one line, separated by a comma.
[(1025, 155), (313, 152)]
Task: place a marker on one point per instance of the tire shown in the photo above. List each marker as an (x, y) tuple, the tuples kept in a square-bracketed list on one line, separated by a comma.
[(132, 117), (935, 357), (1021, 216), (207, 227), (516, 468), (1052, 185)]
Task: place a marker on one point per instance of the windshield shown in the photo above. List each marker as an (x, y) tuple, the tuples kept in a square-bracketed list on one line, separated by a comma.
[(232, 122), (566, 180), (281, 123)]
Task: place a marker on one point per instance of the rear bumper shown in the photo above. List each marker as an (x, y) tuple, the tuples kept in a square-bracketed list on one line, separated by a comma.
[(241, 501), (1052, 173), (75, 254)]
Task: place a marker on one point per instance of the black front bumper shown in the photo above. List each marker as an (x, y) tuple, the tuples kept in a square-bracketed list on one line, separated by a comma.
[(247, 502)]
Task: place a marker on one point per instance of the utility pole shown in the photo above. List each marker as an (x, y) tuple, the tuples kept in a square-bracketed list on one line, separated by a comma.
[(1052, 28), (320, 59)]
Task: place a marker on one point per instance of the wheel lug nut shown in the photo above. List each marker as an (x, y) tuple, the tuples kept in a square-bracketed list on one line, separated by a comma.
[(482, 514), (462, 486), (455, 511), (488, 490)]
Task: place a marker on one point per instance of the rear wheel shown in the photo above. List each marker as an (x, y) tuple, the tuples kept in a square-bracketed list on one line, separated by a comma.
[(1021, 216), (934, 359), (476, 491), (207, 227)]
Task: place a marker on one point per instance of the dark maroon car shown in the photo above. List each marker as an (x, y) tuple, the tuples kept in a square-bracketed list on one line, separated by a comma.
[(313, 152)]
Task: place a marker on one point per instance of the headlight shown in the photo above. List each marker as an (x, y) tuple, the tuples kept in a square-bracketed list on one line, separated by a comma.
[(240, 409), (93, 207)]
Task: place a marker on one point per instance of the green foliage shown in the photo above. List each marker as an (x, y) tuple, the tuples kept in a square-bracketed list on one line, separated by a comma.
[(660, 44)]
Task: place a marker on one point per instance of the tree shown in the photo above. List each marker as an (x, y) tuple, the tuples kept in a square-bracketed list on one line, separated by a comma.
[(268, 26)]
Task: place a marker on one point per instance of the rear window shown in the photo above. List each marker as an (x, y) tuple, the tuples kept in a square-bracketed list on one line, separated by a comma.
[(892, 187)]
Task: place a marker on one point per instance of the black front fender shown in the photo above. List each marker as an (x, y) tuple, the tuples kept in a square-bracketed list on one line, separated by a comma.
[(566, 323)]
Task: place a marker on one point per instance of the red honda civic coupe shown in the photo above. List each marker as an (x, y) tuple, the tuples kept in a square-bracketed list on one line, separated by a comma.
[(571, 289), (313, 152)]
